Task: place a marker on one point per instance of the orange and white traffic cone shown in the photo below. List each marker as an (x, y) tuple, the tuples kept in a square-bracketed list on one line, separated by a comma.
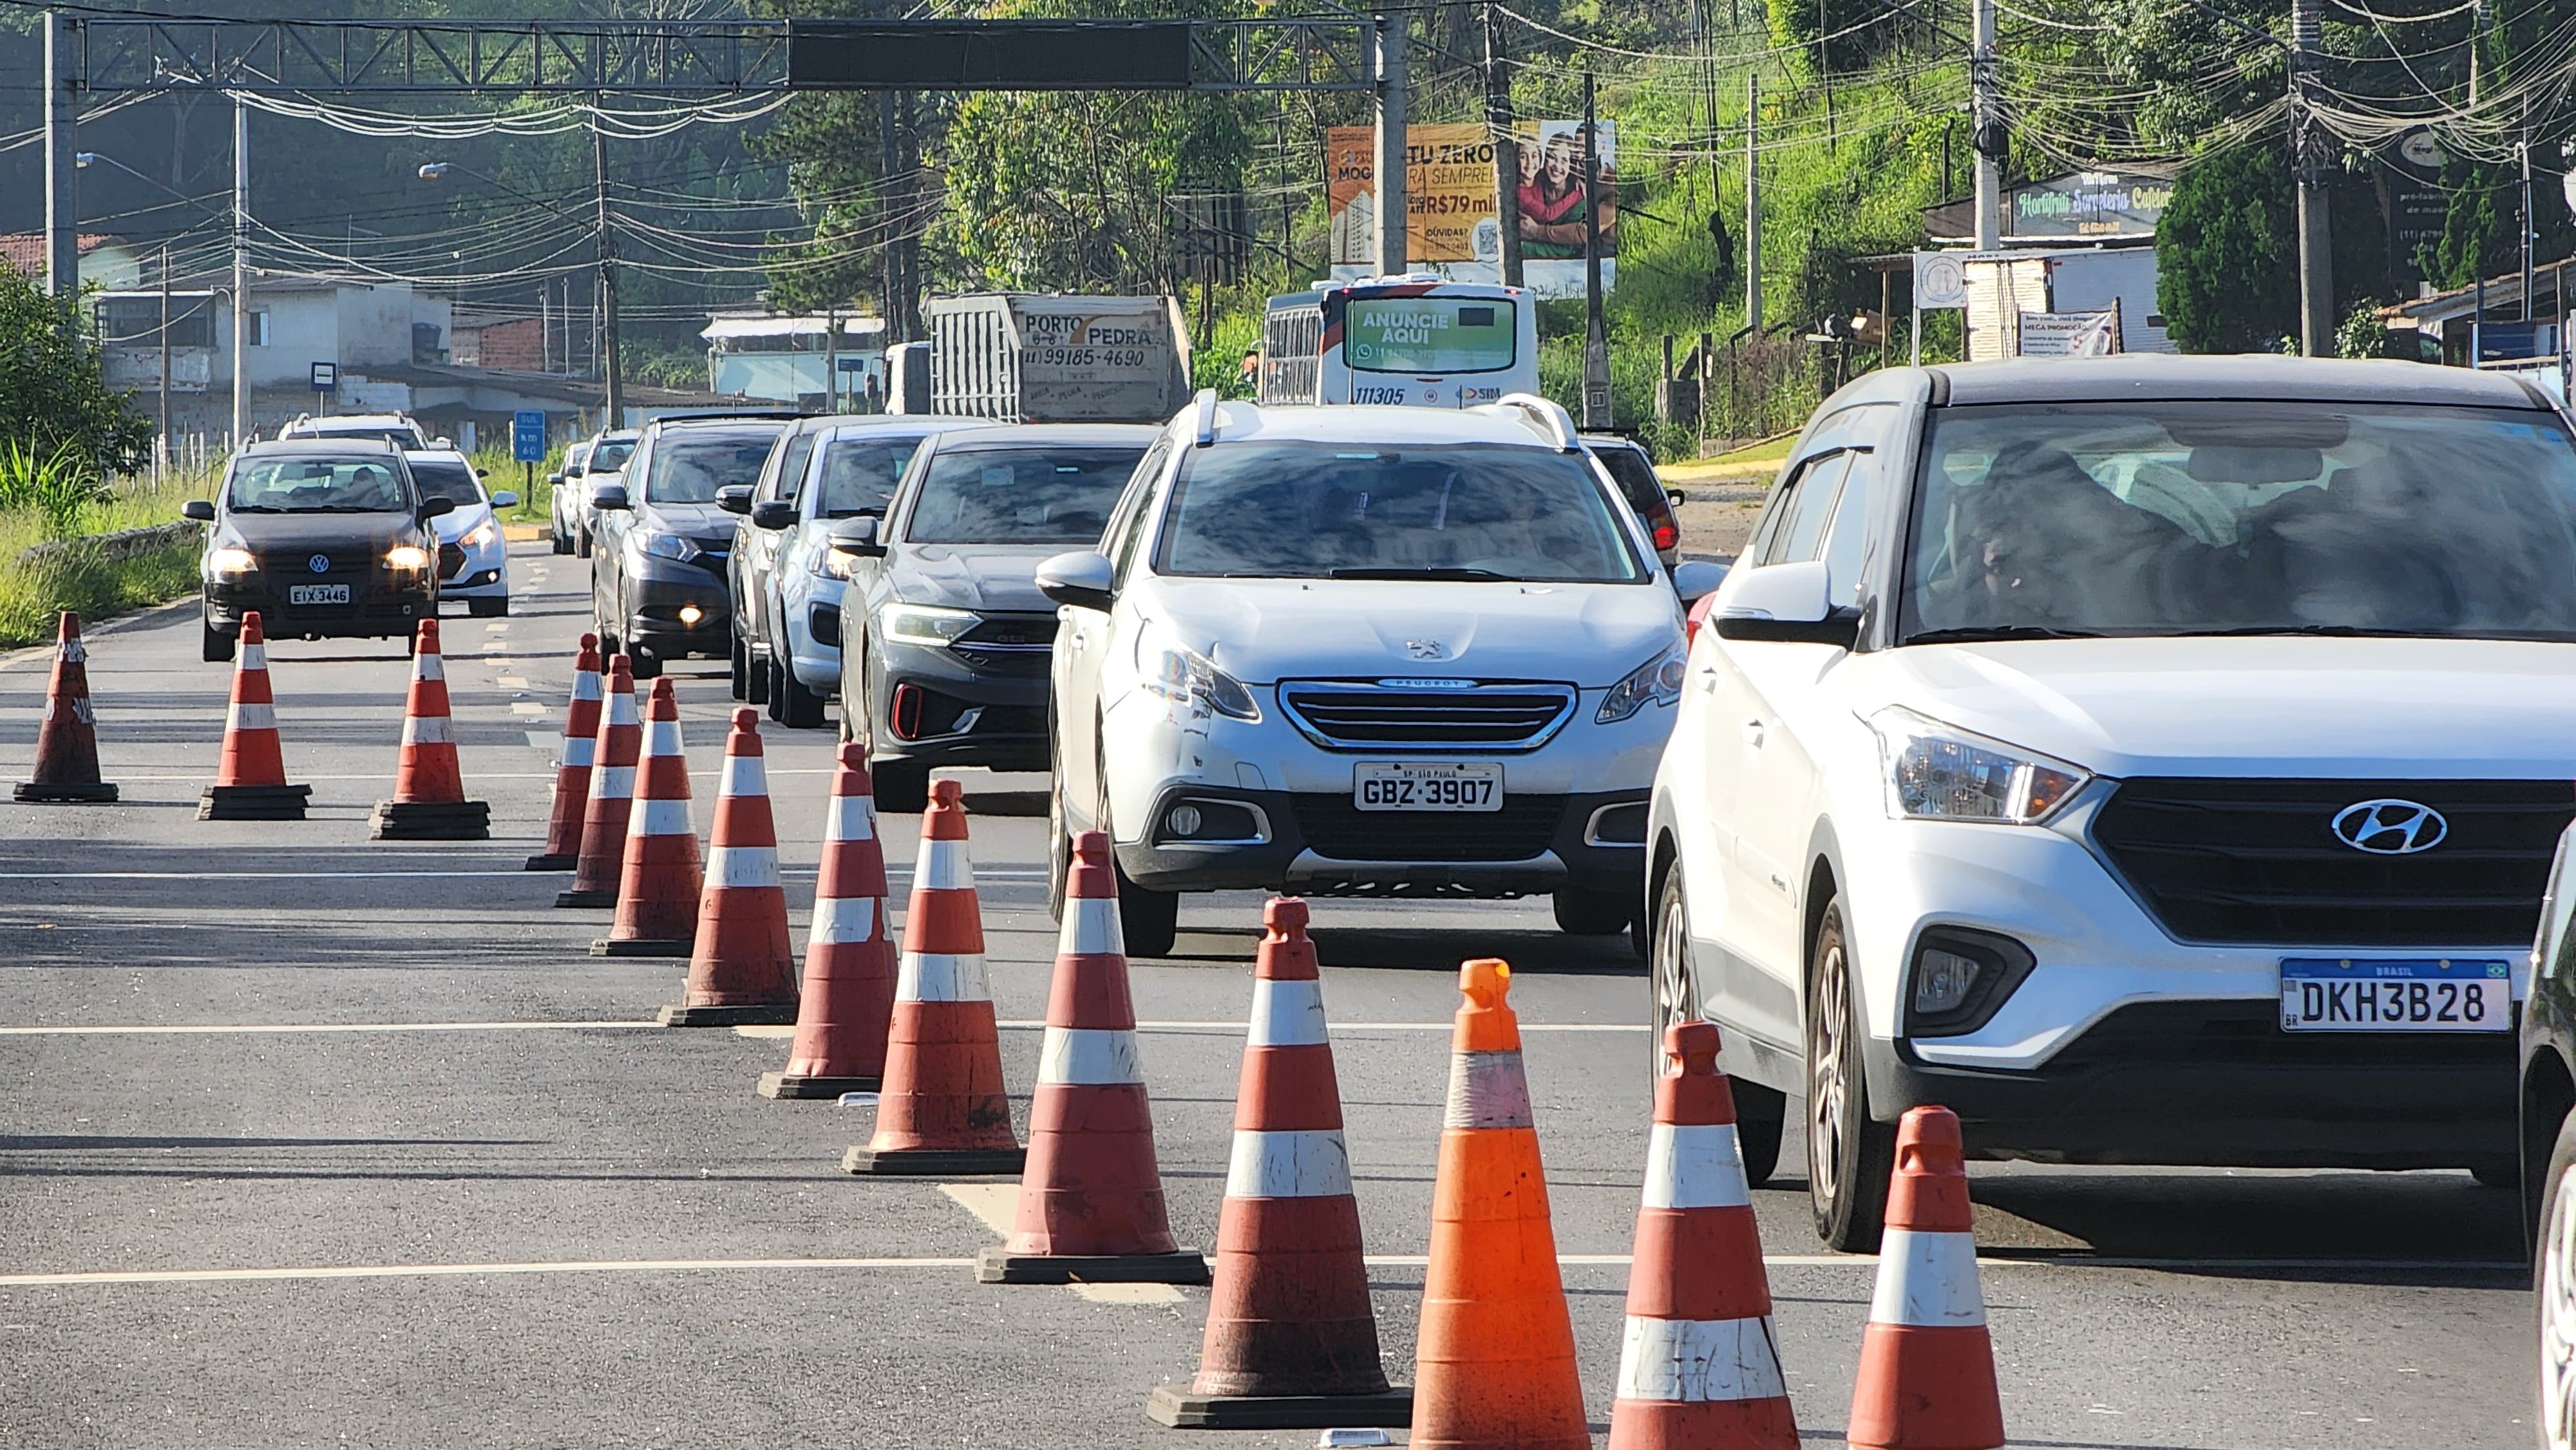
[(1291, 1338), (602, 856), (943, 1110), (743, 971), (1494, 1364), (250, 783), (1927, 1367), (1091, 1202), (572, 769), (66, 770), (848, 998), (1700, 1366), (429, 801), (657, 893)]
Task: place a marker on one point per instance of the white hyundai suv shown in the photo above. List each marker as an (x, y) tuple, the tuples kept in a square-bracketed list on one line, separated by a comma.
[(1366, 652), (2155, 760)]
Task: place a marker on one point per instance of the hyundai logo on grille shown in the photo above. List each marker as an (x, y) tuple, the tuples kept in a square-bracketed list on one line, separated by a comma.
[(319, 563), (2390, 827)]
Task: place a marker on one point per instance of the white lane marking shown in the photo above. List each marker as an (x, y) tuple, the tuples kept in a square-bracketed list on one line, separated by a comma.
[(764, 1029), (515, 682), (410, 1271), (522, 707), (994, 1205), (1128, 1293), (140, 1029)]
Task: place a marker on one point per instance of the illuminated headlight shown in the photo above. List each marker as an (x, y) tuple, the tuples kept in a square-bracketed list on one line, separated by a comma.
[(232, 561), (1937, 772), (407, 556), (1656, 682), (833, 564), (669, 546), (690, 614), (1186, 677), (482, 535), (927, 625)]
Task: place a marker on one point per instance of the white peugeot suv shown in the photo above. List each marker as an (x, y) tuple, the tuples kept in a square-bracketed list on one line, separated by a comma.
[(2155, 760), (1366, 652)]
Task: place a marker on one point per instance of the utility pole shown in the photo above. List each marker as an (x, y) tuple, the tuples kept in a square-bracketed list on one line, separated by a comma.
[(62, 147), (1986, 129), (832, 360), (161, 445), (1596, 336), (615, 379), (890, 259), (1504, 128), (241, 273), (1393, 221), (1753, 205), (2525, 148), (2477, 44), (2316, 242)]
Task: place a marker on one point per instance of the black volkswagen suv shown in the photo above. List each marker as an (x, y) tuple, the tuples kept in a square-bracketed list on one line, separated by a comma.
[(326, 538)]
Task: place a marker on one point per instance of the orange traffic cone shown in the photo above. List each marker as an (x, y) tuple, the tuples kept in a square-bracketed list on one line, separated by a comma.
[(1291, 1339), (67, 743), (657, 893), (842, 1013), (1927, 1369), (602, 857), (1700, 1365), (1091, 1202), (572, 769), (1494, 1364), (250, 783), (943, 1109), (429, 801), (744, 968)]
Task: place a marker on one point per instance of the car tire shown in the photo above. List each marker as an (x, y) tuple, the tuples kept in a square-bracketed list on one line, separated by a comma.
[(581, 543), (1849, 1152), (558, 540), (1761, 1113), (1059, 832), (219, 645), (2553, 1283), (1150, 920), (488, 608), (798, 708), (647, 665), (903, 788), (2497, 1173), (741, 669), (1590, 911)]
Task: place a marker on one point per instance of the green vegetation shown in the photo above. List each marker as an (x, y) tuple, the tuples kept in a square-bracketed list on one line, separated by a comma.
[(33, 591)]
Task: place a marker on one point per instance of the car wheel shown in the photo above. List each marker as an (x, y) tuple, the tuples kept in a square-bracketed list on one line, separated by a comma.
[(1761, 1114), (1150, 920), (1849, 1153), (903, 788), (741, 670), (798, 708), (558, 539), (2497, 1173), (1059, 836), (581, 543), (487, 608), (2553, 1281), (647, 665), (219, 645), (1590, 911)]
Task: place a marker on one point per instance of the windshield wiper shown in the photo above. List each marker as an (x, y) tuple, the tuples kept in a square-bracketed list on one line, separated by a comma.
[(2346, 631), (1987, 633), (1469, 574)]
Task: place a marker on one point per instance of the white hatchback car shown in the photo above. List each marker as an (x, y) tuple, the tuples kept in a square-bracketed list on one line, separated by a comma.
[(2155, 760), (473, 556), (1366, 652)]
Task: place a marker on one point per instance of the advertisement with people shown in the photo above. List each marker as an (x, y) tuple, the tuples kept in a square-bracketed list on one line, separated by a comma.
[(1455, 227)]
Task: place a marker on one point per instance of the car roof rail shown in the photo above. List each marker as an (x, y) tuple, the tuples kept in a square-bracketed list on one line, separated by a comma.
[(1206, 406), (1547, 419)]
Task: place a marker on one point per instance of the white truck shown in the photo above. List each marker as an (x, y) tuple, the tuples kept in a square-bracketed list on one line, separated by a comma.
[(1020, 357)]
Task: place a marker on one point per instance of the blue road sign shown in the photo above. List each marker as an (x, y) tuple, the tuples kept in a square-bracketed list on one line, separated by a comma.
[(528, 436)]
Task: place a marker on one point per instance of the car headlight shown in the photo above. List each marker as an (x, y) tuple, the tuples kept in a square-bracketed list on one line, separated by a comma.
[(407, 556), (482, 535), (1656, 682), (1186, 677), (669, 546), (831, 563), (928, 625), (232, 561), (1937, 772)]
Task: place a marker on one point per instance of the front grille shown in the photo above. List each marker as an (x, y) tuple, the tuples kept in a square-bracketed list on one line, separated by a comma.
[(1402, 715), (2248, 1034), (1335, 828), (295, 566), (1008, 644), (451, 559), (2256, 861)]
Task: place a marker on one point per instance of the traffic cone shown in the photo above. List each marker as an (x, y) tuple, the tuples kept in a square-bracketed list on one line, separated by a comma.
[(1700, 1365), (1494, 1364), (657, 892), (1291, 1339), (943, 1110), (1091, 1202), (250, 783), (572, 770), (429, 801), (1927, 1369), (67, 743), (602, 857), (744, 969), (848, 997)]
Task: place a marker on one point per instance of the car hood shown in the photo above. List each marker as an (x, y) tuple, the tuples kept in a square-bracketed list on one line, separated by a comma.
[(1266, 630), (701, 521), (999, 578), (287, 535), (2263, 706), (462, 521)]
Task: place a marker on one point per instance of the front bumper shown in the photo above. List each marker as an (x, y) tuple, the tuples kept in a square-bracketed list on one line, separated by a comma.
[(938, 708), (660, 590), (811, 619), (481, 572), (377, 609)]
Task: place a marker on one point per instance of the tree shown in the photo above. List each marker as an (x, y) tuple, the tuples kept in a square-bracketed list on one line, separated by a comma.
[(2226, 253), (54, 396)]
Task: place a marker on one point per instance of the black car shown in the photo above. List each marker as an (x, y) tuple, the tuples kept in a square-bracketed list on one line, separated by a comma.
[(944, 637), (1632, 468), (658, 564), (325, 538)]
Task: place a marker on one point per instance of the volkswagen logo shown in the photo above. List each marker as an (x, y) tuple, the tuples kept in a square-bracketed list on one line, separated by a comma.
[(2390, 827), (319, 563)]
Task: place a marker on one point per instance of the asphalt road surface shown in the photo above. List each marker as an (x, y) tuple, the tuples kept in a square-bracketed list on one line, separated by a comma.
[(308, 1139)]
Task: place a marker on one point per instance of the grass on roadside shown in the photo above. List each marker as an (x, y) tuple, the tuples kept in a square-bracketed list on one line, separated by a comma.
[(33, 593)]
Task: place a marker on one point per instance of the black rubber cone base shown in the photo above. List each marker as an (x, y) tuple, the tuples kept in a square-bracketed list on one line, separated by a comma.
[(552, 863), (431, 821), (937, 1162), (96, 793), (807, 1089), (609, 946), (253, 802), (1384, 1410), (771, 1014), (585, 898), (997, 1266)]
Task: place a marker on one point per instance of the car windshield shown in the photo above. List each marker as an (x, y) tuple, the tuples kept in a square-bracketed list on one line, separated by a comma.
[(1019, 495), (2243, 518), (1338, 511), (447, 479), (609, 457), (316, 485), (857, 475), (689, 469)]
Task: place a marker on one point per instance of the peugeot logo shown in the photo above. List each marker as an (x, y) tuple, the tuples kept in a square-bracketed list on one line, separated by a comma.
[(1426, 649), (319, 563), (2390, 827)]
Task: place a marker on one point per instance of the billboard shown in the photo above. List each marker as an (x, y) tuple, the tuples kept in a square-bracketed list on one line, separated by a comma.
[(1454, 225)]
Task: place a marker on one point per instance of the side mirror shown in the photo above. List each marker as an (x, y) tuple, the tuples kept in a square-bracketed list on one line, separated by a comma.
[(482, 473), (1081, 579), (855, 536), (198, 510), (1697, 579), (611, 496), (774, 513), (431, 508), (553, 479), (1676, 496), (1787, 604), (505, 499), (734, 498)]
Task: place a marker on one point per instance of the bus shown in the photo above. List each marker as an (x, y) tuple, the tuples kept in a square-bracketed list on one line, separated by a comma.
[(1414, 341)]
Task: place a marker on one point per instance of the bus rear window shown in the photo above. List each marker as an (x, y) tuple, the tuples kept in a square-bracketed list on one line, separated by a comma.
[(1429, 335)]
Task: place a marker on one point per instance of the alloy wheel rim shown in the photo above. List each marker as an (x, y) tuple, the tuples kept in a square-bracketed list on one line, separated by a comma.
[(1670, 1007), (1826, 1080), (2558, 1317)]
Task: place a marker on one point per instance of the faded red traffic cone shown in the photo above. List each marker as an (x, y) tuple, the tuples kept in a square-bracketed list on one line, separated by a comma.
[(250, 782), (943, 1110), (67, 743), (1927, 1368), (657, 893), (602, 857), (1091, 1201), (848, 997), (1700, 1366), (1291, 1338), (572, 769), (744, 969), (429, 801)]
